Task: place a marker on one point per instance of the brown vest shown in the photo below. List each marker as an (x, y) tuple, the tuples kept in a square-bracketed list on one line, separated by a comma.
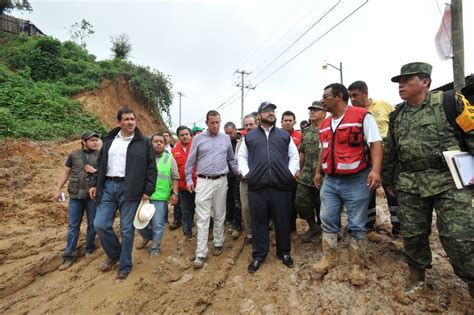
[(80, 181)]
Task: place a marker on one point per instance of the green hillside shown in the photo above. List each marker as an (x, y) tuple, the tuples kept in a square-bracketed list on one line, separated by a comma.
[(39, 74)]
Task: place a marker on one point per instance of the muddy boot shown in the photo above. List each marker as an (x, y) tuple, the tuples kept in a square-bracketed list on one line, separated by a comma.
[(471, 290), (358, 275), (329, 255), (416, 280), (313, 232)]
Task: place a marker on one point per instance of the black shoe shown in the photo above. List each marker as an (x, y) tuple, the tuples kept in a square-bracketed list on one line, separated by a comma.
[(254, 265), (121, 277), (287, 261)]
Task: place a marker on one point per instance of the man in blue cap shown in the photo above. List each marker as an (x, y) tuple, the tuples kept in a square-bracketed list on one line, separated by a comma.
[(268, 161)]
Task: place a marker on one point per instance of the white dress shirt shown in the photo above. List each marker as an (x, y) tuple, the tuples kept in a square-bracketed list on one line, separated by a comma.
[(118, 156)]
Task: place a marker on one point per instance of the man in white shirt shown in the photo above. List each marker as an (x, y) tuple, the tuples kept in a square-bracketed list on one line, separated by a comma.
[(126, 174)]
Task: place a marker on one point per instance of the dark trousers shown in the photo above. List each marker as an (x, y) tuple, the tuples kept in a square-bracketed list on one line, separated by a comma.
[(187, 209), (265, 204), (293, 207)]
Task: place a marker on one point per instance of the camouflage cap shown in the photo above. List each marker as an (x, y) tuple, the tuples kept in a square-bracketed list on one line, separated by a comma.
[(413, 68), (317, 105)]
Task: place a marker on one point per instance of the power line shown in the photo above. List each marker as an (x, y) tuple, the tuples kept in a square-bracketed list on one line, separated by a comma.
[(311, 44), (299, 37)]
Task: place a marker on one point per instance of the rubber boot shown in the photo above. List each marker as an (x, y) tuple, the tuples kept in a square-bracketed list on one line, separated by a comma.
[(471, 290), (358, 275), (313, 232), (329, 259), (416, 279)]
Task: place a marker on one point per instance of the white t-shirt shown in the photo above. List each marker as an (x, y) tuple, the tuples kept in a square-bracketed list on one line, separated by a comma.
[(371, 130)]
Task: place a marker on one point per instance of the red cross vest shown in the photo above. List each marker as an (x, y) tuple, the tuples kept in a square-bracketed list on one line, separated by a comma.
[(345, 148)]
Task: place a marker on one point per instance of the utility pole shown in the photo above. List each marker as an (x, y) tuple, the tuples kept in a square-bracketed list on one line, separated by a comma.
[(458, 44), (180, 95), (242, 87)]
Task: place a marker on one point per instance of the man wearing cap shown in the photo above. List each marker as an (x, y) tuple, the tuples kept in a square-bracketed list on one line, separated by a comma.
[(268, 161), (307, 199), (126, 174), (359, 96), (415, 169), (350, 175), (81, 164), (212, 155)]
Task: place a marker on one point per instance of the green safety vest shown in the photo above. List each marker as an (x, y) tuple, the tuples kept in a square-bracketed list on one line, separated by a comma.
[(163, 181)]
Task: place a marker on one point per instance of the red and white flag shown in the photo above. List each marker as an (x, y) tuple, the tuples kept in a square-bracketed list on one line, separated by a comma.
[(443, 38)]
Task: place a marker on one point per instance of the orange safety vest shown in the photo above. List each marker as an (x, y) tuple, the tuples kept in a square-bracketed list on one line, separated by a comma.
[(344, 149)]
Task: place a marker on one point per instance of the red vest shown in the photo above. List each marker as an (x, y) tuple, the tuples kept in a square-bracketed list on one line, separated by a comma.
[(296, 135), (181, 157), (344, 150)]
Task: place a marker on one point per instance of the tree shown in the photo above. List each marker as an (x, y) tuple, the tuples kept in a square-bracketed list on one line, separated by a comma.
[(6, 6), (79, 32), (121, 46)]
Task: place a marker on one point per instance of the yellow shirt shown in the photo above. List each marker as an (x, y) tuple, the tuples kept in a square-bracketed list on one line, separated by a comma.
[(381, 111)]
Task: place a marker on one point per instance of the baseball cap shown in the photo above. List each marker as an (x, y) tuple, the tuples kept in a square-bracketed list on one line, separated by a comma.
[(413, 68), (265, 105), (317, 105), (89, 134)]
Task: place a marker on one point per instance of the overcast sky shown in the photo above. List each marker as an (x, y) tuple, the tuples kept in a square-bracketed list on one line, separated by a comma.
[(200, 44)]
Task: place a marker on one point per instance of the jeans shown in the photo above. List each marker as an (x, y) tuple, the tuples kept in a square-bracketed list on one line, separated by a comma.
[(351, 190), (111, 200), (75, 213), (186, 200), (154, 230)]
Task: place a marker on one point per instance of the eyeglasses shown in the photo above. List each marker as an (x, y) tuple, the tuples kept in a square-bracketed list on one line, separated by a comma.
[(267, 110)]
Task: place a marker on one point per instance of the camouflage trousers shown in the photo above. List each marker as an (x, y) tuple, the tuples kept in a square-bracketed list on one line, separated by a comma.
[(308, 203), (455, 223)]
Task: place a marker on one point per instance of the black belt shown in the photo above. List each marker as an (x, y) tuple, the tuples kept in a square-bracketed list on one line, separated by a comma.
[(115, 178), (211, 176)]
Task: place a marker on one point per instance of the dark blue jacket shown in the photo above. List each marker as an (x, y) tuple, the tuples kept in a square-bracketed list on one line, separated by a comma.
[(268, 159)]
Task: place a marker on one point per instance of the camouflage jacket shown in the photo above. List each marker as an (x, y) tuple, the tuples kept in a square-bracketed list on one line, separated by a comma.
[(310, 147), (413, 160)]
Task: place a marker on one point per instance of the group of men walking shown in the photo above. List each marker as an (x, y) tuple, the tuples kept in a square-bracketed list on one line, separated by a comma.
[(340, 159)]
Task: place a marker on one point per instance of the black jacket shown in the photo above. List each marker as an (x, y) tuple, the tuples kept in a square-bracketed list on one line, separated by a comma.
[(140, 168), (268, 159)]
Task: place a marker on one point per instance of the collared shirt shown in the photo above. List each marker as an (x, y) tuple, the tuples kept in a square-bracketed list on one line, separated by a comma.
[(118, 156), (212, 155), (293, 164)]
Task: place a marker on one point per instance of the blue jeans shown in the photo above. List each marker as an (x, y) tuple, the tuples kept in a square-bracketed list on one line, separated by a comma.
[(75, 213), (351, 190), (154, 229), (111, 200), (186, 200)]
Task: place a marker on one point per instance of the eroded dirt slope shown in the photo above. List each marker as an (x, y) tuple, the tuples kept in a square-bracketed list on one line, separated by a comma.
[(33, 236)]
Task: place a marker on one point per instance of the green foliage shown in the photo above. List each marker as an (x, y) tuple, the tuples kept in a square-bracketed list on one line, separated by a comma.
[(6, 6), (37, 110), (121, 46), (154, 87), (38, 74), (79, 32)]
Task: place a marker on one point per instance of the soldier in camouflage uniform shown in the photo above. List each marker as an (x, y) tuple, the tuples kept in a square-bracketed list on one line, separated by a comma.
[(307, 195), (414, 166)]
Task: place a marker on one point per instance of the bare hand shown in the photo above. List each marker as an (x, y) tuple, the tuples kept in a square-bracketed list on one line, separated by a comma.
[(56, 195), (145, 197), (374, 180), (390, 190), (92, 192), (297, 175), (174, 199), (190, 187), (317, 180), (89, 169)]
